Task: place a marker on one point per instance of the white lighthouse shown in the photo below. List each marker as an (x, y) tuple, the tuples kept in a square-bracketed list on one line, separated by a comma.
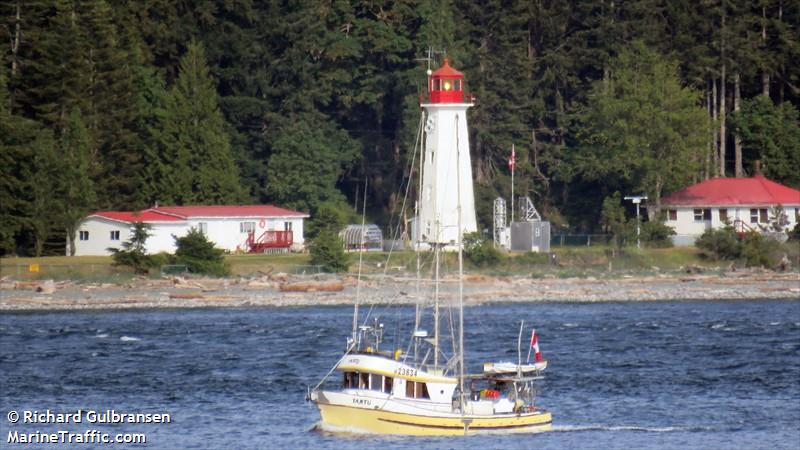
[(446, 167)]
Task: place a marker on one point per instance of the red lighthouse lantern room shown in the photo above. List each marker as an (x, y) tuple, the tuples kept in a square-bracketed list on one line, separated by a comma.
[(446, 85)]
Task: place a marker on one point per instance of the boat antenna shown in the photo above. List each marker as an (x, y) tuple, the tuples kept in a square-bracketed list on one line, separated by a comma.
[(360, 260)]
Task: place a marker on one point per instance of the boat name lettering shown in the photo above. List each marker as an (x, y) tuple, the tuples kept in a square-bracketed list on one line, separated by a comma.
[(361, 401), (406, 371)]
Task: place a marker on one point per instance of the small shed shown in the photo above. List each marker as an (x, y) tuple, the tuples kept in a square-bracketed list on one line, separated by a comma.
[(352, 237)]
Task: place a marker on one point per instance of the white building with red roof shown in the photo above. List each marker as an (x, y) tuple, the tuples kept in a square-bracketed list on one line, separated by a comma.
[(746, 203), (240, 228)]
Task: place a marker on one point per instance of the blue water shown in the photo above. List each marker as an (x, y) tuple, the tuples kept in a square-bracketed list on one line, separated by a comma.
[(622, 375)]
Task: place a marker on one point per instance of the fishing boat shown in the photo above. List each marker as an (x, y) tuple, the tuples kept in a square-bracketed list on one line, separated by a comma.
[(420, 390)]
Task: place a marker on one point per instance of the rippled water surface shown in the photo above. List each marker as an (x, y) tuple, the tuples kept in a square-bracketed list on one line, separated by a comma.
[(632, 375)]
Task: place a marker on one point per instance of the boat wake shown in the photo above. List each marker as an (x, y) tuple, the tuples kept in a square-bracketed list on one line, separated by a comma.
[(569, 428)]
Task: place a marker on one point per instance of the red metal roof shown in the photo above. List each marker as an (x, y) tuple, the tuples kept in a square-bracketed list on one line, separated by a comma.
[(147, 215), (734, 191), (229, 211), (446, 71), (182, 213)]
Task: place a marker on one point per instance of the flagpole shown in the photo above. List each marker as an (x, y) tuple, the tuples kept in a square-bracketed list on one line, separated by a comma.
[(528, 359), (513, 166)]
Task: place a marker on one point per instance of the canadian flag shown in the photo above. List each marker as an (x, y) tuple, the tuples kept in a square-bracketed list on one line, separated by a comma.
[(512, 161), (535, 346)]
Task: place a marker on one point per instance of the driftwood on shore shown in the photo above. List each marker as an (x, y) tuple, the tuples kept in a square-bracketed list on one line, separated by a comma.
[(331, 286)]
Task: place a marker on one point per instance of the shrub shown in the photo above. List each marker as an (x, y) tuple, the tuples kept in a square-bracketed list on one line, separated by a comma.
[(199, 255), (533, 258), (327, 250), (612, 218), (721, 243), (481, 251), (656, 234), (758, 250), (133, 251), (794, 233)]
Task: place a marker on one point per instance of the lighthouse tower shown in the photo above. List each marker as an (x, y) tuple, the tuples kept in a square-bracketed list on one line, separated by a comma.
[(446, 166)]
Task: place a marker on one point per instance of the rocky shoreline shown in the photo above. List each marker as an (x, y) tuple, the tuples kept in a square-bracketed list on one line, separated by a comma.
[(285, 291)]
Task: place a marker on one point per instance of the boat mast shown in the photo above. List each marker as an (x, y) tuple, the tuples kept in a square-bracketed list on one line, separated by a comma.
[(460, 270), (436, 250), (418, 237), (360, 259)]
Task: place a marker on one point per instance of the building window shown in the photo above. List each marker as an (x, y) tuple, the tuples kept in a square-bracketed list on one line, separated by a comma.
[(203, 227), (672, 214), (287, 226), (83, 235), (457, 85), (702, 214), (723, 215), (758, 215), (247, 227), (115, 235)]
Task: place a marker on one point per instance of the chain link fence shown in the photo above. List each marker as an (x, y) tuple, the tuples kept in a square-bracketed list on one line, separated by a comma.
[(580, 240)]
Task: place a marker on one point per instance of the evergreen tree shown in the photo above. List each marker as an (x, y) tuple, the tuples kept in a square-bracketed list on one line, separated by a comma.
[(42, 175), (771, 134), (327, 248), (16, 136), (641, 127), (134, 250), (199, 255), (310, 156), (197, 148), (76, 195)]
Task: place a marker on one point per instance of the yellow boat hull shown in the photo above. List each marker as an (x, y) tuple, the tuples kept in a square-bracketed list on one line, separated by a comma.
[(374, 421)]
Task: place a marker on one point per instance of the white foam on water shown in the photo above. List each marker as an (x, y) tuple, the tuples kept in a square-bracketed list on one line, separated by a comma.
[(598, 427), (129, 338), (101, 336)]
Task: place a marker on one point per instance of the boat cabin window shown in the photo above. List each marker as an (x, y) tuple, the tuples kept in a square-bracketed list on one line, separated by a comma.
[(388, 382), (375, 382), (416, 389), (371, 381), (350, 380)]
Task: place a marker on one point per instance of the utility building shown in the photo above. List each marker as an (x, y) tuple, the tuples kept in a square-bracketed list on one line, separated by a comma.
[(241, 228)]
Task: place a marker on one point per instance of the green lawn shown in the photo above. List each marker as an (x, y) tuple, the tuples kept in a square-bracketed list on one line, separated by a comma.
[(567, 262)]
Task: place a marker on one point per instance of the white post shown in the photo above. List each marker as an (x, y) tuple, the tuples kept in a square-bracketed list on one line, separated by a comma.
[(638, 228), (513, 164), (637, 200)]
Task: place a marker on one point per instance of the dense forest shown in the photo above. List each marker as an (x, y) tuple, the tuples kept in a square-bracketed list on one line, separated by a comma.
[(113, 104)]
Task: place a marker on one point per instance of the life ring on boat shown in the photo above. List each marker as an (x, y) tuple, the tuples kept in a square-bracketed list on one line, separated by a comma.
[(262, 223)]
